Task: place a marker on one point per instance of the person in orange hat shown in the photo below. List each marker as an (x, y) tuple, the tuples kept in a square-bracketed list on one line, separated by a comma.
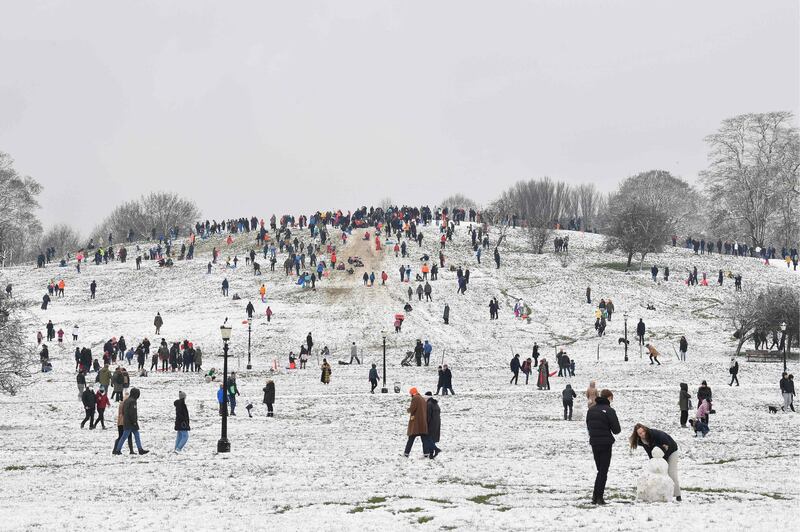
[(417, 421)]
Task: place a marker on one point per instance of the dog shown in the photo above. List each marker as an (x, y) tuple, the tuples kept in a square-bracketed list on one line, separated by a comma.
[(773, 409)]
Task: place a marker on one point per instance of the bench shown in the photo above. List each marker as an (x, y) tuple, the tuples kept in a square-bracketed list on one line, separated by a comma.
[(763, 356)]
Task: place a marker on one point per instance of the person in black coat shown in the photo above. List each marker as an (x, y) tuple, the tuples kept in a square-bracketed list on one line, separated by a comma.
[(89, 401), (602, 424), (181, 422), (649, 439), (640, 330), (269, 396), (683, 348), (430, 439), (515, 365), (250, 309), (734, 371), (447, 380)]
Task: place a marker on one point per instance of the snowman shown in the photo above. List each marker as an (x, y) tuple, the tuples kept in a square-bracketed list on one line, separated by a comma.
[(655, 485)]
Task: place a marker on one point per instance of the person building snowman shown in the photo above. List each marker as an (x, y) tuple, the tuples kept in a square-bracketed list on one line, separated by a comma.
[(659, 481)]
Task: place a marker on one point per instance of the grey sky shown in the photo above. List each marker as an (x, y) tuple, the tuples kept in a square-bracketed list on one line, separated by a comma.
[(262, 107)]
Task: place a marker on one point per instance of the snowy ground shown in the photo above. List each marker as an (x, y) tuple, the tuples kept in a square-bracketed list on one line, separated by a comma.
[(332, 456)]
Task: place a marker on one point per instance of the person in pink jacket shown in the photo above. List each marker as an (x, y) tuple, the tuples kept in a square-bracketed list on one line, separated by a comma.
[(702, 411)]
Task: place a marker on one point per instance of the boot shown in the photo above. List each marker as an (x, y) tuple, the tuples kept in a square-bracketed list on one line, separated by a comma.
[(143, 451)]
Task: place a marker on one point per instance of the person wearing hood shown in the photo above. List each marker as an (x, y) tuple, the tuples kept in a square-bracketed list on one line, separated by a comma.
[(181, 422), (434, 426), (130, 423), (566, 398), (684, 403), (417, 421), (158, 322)]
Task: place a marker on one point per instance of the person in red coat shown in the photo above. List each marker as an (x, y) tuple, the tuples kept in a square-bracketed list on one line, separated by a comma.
[(102, 403)]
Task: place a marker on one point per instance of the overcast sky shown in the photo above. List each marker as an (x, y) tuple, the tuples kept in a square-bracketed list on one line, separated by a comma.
[(262, 107)]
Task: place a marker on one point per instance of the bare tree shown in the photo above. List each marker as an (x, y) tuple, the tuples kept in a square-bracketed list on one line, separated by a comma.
[(61, 237), (458, 201), (670, 195), (385, 202), (765, 311), (540, 204), (588, 199), (161, 211), (752, 159), (19, 226), (635, 228), (15, 357)]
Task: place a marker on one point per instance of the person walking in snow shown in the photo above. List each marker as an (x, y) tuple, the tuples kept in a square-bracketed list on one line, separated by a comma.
[(434, 427), (250, 310), (182, 426), (515, 367), (417, 421), (527, 368), (373, 378), (446, 315), (89, 400), (734, 371), (92, 289), (602, 424), (101, 402), (567, 397), (354, 354), (130, 422), (543, 382), (447, 380), (158, 322), (121, 427)]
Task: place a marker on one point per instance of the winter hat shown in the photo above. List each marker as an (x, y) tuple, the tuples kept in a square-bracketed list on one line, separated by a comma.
[(429, 393), (413, 391), (181, 395)]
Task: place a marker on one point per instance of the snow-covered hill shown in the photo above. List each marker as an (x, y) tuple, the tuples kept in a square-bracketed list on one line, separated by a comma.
[(332, 456)]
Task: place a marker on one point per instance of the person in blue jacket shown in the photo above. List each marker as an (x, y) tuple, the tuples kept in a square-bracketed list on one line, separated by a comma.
[(427, 349)]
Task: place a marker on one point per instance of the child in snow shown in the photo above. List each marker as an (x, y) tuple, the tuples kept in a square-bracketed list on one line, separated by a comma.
[(699, 427)]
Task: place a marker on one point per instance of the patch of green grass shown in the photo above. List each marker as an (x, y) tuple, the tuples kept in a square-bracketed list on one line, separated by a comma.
[(424, 519), (410, 510), (440, 501), (503, 508), (484, 499), (616, 266), (15, 468), (776, 496), (356, 510), (375, 500), (488, 486), (283, 509), (712, 490)]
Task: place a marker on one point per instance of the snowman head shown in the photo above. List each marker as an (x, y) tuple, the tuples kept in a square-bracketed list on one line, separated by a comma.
[(657, 453)]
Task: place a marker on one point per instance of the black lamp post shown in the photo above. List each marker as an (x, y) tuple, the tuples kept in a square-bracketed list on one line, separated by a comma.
[(249, 330), (625, 319), (783, 339), (223, 445), (385, 389)]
